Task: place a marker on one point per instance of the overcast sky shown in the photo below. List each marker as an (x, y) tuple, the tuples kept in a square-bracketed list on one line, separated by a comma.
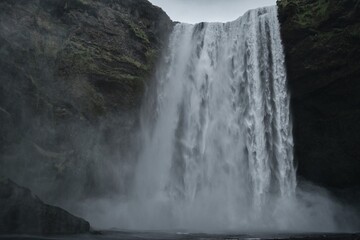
[(194, 11)]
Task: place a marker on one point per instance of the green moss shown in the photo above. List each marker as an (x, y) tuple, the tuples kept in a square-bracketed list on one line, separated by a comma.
[(138, 31), (282, 3), (312, 14), (132, 61), (115, 75), (151, 55), (84, 58), (308, 14), (90, 59)]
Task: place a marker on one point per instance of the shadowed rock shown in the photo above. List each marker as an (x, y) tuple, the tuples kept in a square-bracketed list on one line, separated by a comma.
[(21, 212), (322, 46)]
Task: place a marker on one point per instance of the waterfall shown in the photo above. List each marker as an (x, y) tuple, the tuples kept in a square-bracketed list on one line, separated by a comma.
[(220, 148), (216, 147)]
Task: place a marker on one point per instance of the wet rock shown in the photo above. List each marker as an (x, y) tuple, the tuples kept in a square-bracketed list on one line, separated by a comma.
[(72, 78), (22, 212), (322, 46)]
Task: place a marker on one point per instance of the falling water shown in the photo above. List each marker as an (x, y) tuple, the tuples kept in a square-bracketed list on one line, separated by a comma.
[(216, 141), (220, 150)]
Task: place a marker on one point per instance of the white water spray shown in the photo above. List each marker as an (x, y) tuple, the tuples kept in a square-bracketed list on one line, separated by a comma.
[(221, 146)]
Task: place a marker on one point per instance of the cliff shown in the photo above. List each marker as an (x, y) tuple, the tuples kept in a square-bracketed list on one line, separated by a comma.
[(322, 46), (72, 78)]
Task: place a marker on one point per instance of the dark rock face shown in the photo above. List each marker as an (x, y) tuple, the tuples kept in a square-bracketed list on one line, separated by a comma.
[(322, 45), (72, 78), (99, 52), (22, 212)]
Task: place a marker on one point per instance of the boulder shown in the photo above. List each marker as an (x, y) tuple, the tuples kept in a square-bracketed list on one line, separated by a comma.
[(22, 212)]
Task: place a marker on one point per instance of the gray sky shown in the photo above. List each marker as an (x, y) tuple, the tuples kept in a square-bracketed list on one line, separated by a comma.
[(194, 11)]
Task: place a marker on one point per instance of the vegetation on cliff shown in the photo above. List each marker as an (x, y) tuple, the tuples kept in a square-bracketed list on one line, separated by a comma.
[(322, 46), (73, 74)]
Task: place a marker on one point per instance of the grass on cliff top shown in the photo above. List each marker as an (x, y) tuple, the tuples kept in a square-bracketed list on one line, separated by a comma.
[(308, 15)]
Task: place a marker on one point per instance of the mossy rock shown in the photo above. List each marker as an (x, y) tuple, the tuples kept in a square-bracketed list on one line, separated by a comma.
[(69, 68)]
